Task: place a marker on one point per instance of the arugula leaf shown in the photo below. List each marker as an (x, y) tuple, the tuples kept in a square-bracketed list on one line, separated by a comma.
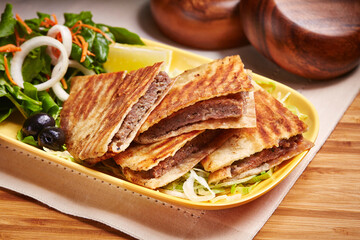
[(2, 65), (29, 139), (6, 106), (8, 22), (89, 36), (24, 103), (7, 100), (76, 55), (4, 114), (72, 18), (32, 65), (122, 35), (100, 48), (35, 63), (49, 105), (34, 23)]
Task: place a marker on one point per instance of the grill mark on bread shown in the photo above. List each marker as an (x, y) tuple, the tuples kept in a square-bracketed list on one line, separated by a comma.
[(144, 157), (216, 108), (255, 160), (189, 87), (97, 106), (155, 90), (193, 147), (274, 122)]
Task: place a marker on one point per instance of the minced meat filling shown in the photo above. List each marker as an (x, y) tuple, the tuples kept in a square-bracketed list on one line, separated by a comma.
[(216, 108), (255, 160), (191, 148), (156, 89)]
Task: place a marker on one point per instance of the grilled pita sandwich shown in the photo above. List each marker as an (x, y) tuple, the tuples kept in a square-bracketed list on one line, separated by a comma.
[(155, 165), (249, 151), (104, 112), (212, 96)]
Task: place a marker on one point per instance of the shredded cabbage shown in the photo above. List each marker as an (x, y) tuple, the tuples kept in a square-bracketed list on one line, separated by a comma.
[(190, 190), (268, 86), (200, 191), (62, 154)]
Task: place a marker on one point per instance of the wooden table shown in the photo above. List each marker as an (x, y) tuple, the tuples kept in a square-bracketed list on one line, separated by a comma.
[(323, 204)]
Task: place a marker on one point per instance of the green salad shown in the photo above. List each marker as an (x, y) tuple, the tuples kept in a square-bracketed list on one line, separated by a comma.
[(89, 47)]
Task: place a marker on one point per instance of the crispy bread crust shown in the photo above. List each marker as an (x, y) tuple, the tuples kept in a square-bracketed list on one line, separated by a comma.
[(274, 122), (144, 157), (97, 106), (219, 78)]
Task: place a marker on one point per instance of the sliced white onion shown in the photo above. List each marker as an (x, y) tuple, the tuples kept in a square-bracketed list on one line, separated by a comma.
[(26, 47), (77, 65), (173, 193), (189, 191), (66, 40), (227, 198), (57, 88)]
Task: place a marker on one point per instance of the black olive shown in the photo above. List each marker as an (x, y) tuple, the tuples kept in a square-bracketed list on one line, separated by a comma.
[(52, 137), (35, 123)]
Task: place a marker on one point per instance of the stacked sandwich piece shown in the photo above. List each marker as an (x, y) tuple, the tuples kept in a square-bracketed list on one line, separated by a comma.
[(158, 128)]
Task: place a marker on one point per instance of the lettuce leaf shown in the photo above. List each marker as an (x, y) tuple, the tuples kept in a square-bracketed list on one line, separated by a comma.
[(8, 22)]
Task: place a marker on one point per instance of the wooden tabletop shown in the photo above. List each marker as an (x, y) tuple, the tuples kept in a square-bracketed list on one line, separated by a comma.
[(323, 204)]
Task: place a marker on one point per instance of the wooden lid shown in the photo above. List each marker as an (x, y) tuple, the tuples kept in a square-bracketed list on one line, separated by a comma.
[(204, 24), (313, 39)]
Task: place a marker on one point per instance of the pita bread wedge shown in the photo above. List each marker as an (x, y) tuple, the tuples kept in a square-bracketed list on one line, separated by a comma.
[(249, 151), (104, 112), (180, 155), (140, 157), (211, 96)]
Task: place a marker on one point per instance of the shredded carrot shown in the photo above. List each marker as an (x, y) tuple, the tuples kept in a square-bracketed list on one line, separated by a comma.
[(28, 29), (63, 82), (58, 37), (10, 48), (55, 18), (85, 46), (79, 25), (76, 41), (90, 53), (7, 71), (47, 22), (56, 51), (77, 31), (19, 40), (98, 31), (80, 41)]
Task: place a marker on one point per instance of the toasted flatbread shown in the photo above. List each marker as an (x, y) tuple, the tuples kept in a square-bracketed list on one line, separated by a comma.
[(104, 112), (174, 165), (219, 90), (140, 157), (277, 127)]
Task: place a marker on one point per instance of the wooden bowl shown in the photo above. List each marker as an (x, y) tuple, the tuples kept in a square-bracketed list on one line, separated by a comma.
[(203, 24), (313, 39)]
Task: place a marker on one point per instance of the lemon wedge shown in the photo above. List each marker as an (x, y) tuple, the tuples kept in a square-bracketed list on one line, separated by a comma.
[(131, 57)]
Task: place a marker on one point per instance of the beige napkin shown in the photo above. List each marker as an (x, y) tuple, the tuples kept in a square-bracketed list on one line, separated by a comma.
[(74, 193)]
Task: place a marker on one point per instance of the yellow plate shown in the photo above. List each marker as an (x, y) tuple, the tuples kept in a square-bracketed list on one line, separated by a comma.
[(182, 60)]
